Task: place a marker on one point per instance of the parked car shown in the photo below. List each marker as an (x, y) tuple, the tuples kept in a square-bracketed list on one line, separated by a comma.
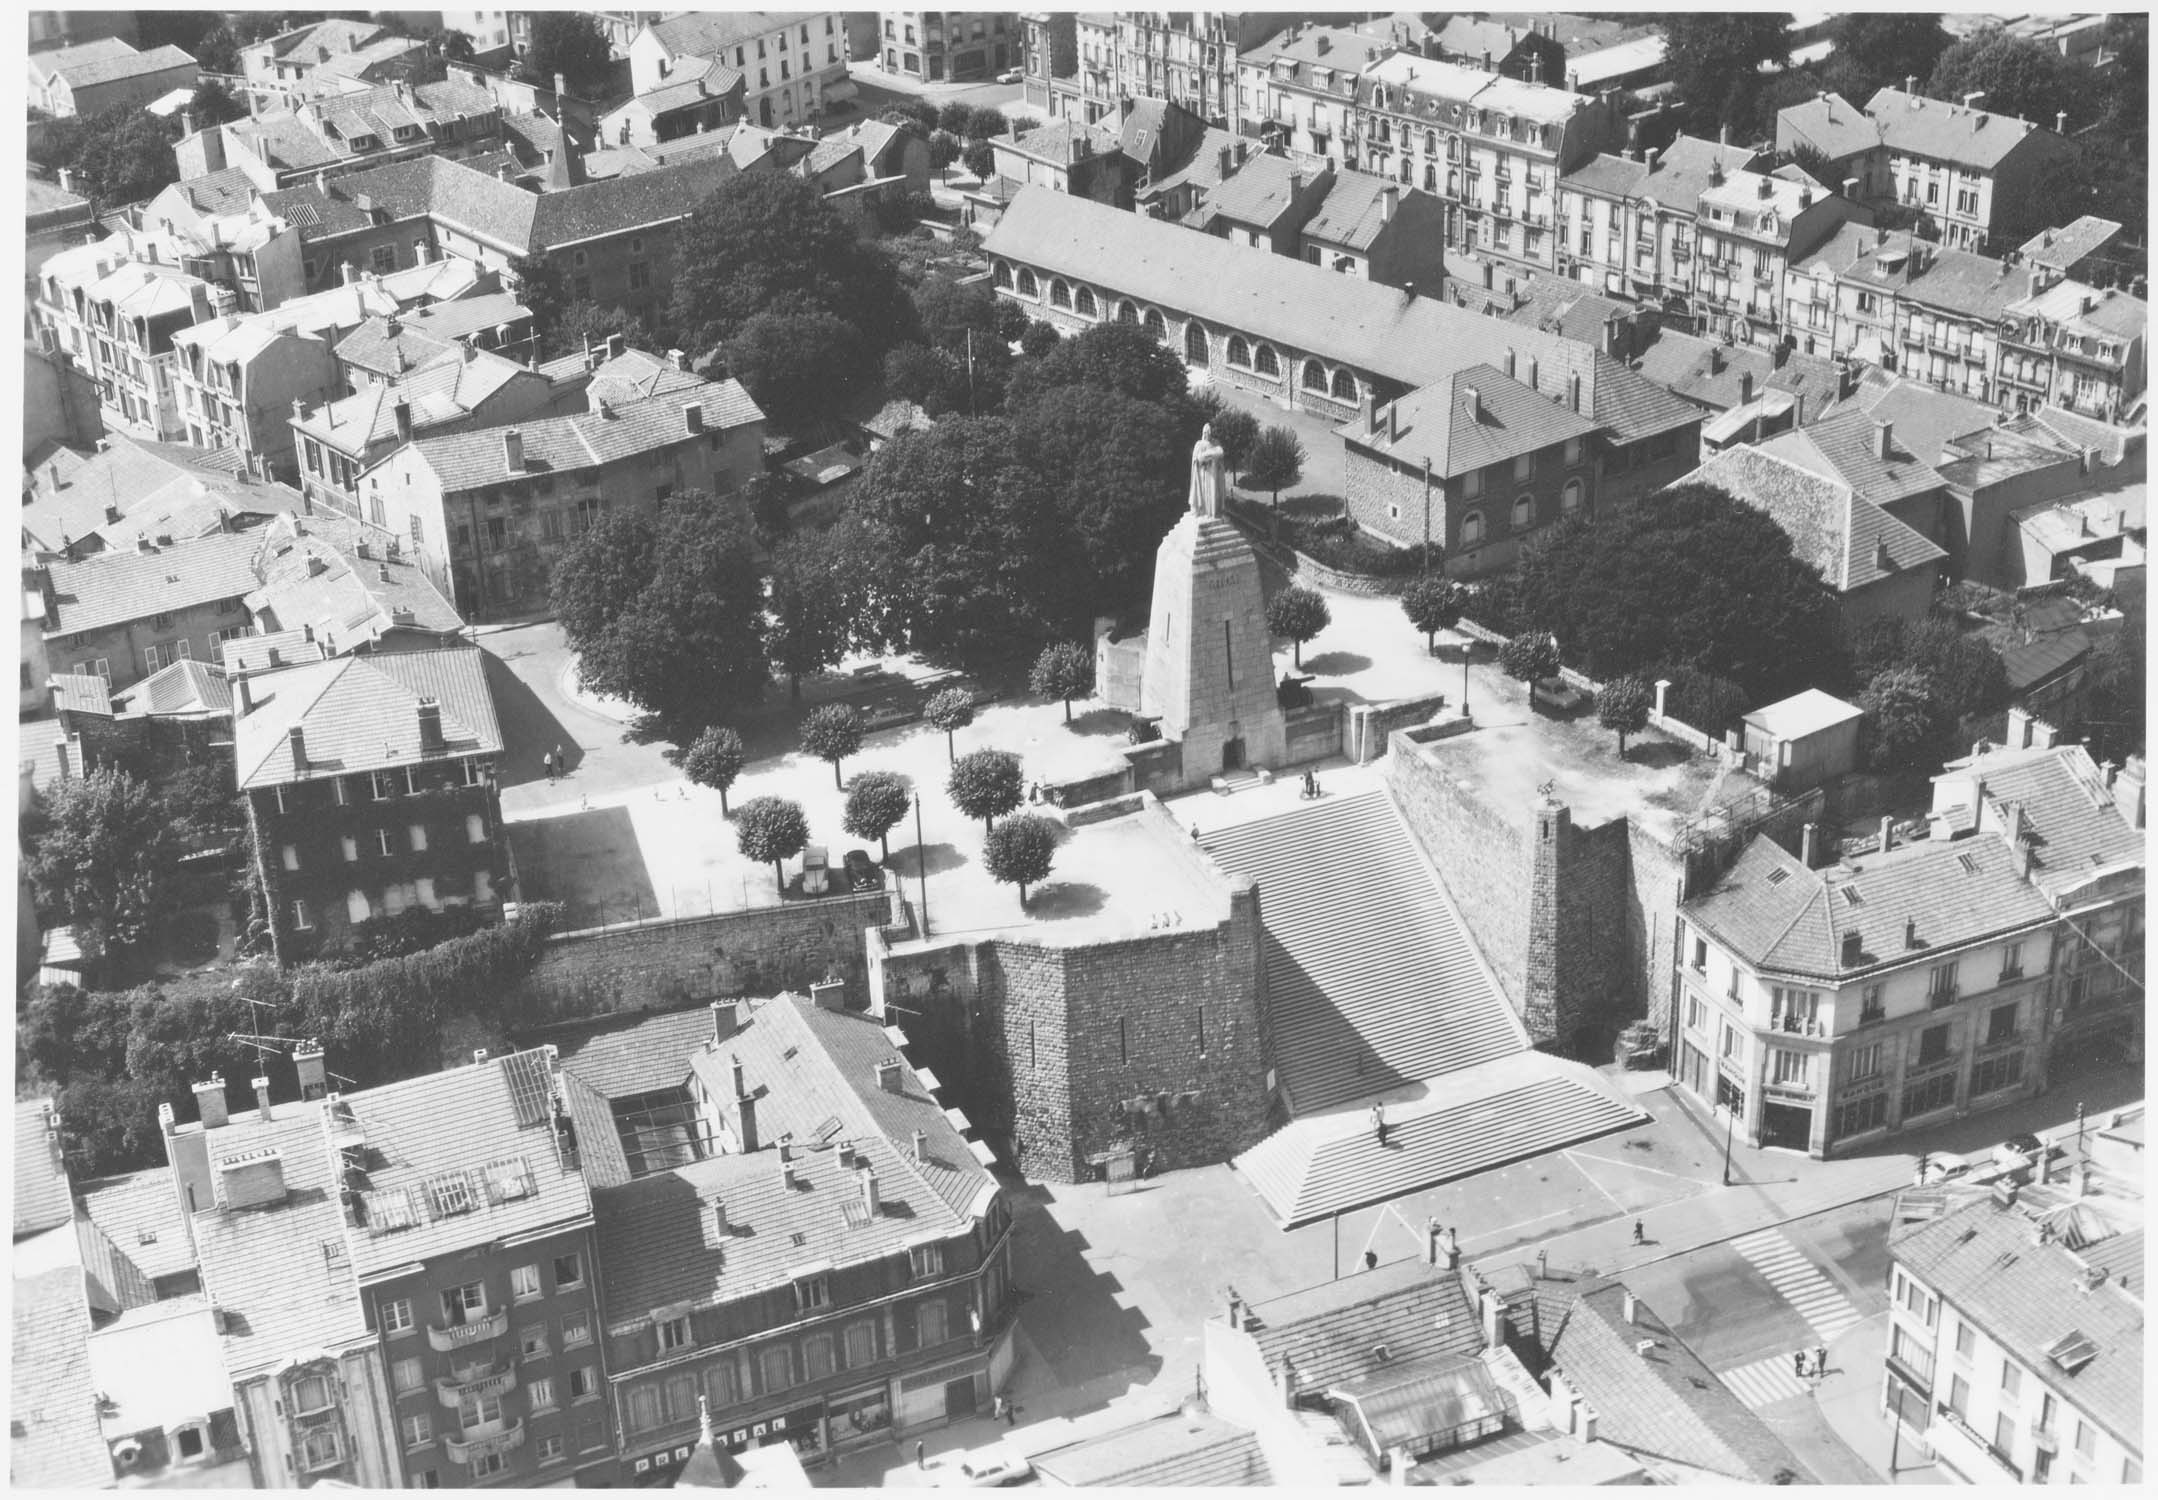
[(989, 1469), (2019, 1151), (1945, 1166), (862, 872), (1010, 76), (814, 870)]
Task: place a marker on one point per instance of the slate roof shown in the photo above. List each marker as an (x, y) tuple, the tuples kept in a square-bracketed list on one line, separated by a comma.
[(1666, 1404), (226, 192), (1330, 1331), (1202, 171), (637, 375), (111, 588), (55, 1439), (80, 693), (558, 445), (2075, 826), (1060, 141), (2112, 313), (1958, 891), (462, 1121), (1832, 125), (704, 33), (348, 603), (104, 49), (1961, 282), (1681, 174), (1914, 125), (697, 81), (186, 687), (2078, 240), (161, 489), (621, 1061), (439, 389), (1471, 36), (140, 1213), (1833, 530), (1352, 214), (1843, 448), (1257, 192), (1179, 1450), (297, 139), (1711, 374), (1441, 423), (2111, 443), (41, 1192), (338, 310), (85, 71), (393, 353), (1566, 308), (338, 35), (251, 653), (814, 1073), (1925, 419), (1983, 1261), (1416, 341), (360, 713), (2035, 662)]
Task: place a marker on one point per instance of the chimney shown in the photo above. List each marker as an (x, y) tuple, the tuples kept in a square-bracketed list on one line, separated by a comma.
[(739, 1074), (616, 345), (724, 1015), (1508, 366), (561, 92), (430, 713), (2128, 792), (1850, 187), (889, 1076), (1910, 932), (402, 411), (1573, 387), (921, 1147), (1854, 949), (1285, 1381), (1398, 1465), (245, 692), (1888, 833), (210, 1102), (2019, 729), (1884, 434), (1296, 183), (693, 417), (1388, 201), (720, 1226), (1474, 400), (1970, 100), (1630, 1308), (1368, 409), (1745, 387), (299, 745), (872, 1195), (678, 359), (513, 450), (1881, 558), (307, 1063), (1494, 1320), (1393, 421), (2060, 122), (262, 1097), (1910, 83), (1222, 164), (1809, 846)]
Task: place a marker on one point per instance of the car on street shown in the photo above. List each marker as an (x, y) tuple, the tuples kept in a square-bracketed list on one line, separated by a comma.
[(992, 1468), (862, 872), (1945, 1166), (1010, 76), (2019, 1151)]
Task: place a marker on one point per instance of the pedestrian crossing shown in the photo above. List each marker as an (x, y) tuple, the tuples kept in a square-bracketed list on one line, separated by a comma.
[(1765, 1381), (1799, 1282)]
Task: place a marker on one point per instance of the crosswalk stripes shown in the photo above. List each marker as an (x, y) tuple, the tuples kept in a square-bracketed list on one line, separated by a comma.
[(1799, 1282), (1764, 1382)]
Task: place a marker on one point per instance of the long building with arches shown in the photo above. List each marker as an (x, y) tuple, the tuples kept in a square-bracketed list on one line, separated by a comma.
[(1383, 361)]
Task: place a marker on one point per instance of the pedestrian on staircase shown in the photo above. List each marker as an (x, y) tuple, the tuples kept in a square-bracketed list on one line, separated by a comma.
[(1378, 1122)]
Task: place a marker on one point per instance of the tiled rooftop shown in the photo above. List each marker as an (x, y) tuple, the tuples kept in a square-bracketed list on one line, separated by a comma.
[(2072, 242), (2075, 825), (559, 445), (316, 578), (1845, 447), (1331, 1331), (111, 588), (160, 489), (1477, 418), (140, 1213), (1832, 125), (1179, 1450), (184, 688), (1850, 541), (360, 713), (1257, 192), (41, 1192), (1939, 130)]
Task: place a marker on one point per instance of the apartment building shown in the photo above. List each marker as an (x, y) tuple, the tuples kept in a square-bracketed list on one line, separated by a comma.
[(938, 46), (87, 80), (701, 94), (78, 504), (2015, 1355), (1629, 224), (371, 791), (1750, 228), (1970, 174), (404, 1275), (1823, 1006), (334, 56), (235, 378), (449, 118), (788, 59), (489, 512), (1049, 61), (1190, 57), (2075, 346), (340, 587), (116, 318), (1531, 53), (798, 1243), (126, 613), (1929, 312), (1297, 91), (2084, 249), (1351, 222)]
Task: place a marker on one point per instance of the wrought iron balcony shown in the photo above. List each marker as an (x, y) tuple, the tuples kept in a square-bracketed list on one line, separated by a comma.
[(473, 1383), (444, 1340), (503, 1436)]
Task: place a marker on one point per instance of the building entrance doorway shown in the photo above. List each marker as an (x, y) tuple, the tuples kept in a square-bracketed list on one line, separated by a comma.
[(1785, 1125), (959, 1399), (1232, 754)]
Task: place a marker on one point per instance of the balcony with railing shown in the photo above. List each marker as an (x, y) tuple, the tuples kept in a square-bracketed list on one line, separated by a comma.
[(1969, 1454), (475, 1383), (504, 1435), (445, 1340), (1911, 1359)]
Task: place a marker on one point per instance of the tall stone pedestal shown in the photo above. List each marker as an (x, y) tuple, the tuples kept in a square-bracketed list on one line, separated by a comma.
[(1209, 660)]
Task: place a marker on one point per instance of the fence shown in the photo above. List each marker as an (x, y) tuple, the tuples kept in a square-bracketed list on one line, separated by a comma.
[(1677, 729)]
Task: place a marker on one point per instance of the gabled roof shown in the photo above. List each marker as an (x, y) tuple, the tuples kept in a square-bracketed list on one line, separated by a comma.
[(1845, 447), (699, 33), (696, 82), (41, 1193), (224, 192), (1417, 341), (1983, 1260), (1475, 37), (562, 445), (1914, 125), (814, 1073), (1460, 432), (334, 576), (441, 391), (55, 1439), (1258, 192), (1926, 420), (638, 375), (252, 653), (1665, 1403), (1180, 1450), (2074, 825), (1711, 374), (2073, 242), (337, 35), (140, 1213), (392, 349), (1834, 531), (104, 49), (361, 713), (1353, 212), (2079, 309), (160, 489), (1777, 915), (186, 688), (1335, 1332), (86, 71), (1062, 142), (80, 693), (1961, 282), (340, 309), (1832, 125), (111, 588), (1566, 308)]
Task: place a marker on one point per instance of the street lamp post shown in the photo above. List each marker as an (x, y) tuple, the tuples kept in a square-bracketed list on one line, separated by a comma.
[(921, 863), (1730, 1123)]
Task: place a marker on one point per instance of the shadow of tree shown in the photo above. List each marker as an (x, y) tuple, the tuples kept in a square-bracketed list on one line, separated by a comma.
[(934, 859), (1062, 900), (1100, 721), (1336, 663), (1658, 754)]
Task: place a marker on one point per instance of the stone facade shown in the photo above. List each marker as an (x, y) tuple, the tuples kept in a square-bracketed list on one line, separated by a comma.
[(1209, 659), (1482, 532), (1151, 1041)]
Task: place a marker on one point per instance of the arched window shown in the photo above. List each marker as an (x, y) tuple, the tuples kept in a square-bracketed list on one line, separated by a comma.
[(1267, 362), (1084, 301), (1570, 497), (1431, 143), (1127, 311), (1004, 275), (1431, 178), (1314, 376), (1195, 342), (1344, 386), (1472, 528), (1153, 324), (1524, 512), (1028, 286), (1239, 351), (1060, 295)]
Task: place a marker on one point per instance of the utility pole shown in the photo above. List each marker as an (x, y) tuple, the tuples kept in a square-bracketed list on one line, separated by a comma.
[(1423, 560), (970, 375), (1730, 1123), (921, 863)]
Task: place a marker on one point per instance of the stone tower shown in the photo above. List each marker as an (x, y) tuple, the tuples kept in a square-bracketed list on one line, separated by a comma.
[(1209, 659)]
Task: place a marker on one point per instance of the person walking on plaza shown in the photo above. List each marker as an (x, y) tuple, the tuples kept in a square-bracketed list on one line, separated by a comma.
[(921, 1455), (547, 761), (561, 762), (1638, 1237), (1820, 1361)]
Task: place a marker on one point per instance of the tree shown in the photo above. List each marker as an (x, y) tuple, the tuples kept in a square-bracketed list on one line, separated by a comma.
[(950, 710), (1687, 577), (768, 242), (580, 325), (1039, 340), (1709, 703), (801, 368), (2018, 77), (1877, 48), (2120, 688), (1714, 61), (1530, 657), (189, 30), (987, 123), (876, 802), (956, 117), (715, 759), (944, 148), (1902, 719), (1298, 613), (121, 156), (1433, 603), (1236, 430), (109, 1125), (1012, 321), (986, 784), (667, 613), (771, 829), (1112, 356), (100, 852), (1623, 708), (570, 43), (1116, 470), (832, 733), (807, 631), (1274, 462), (1019, 851), (1064, 670)]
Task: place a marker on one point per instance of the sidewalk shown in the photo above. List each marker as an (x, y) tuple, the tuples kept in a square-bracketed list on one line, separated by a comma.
[(1848, 1403)]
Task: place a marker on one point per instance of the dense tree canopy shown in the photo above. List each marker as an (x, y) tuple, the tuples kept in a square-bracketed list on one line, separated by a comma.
[(1877, 49), (1019, 851), (1714, 59), (876, 801), (807, 621), (568, 42), (99, 852), (121, 156), (1903, 721), (2018, 77), (1115, 468), (1686, 577), (667, 613)]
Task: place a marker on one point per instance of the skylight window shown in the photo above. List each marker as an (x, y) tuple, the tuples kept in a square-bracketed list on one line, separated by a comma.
[(2072, 1351), (1778, 876), (449, 1194), (1851, 896)]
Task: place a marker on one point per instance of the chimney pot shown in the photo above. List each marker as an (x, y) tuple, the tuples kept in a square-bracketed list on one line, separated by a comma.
[(299, 746), (210, 1101), (890, 1077), (921, 1146), (1809, 846), (513, 450), (307, 1063), (1910, 932), (1888, 833), (740, 1076), (262, 1097), (1884, 434), (1631, 1307)]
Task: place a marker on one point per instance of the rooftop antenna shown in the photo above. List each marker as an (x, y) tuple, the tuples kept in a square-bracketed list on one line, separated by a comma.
[(282, 1046)]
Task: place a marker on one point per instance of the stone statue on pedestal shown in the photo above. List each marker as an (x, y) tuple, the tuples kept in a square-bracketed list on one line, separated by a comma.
[(1209, 485)]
